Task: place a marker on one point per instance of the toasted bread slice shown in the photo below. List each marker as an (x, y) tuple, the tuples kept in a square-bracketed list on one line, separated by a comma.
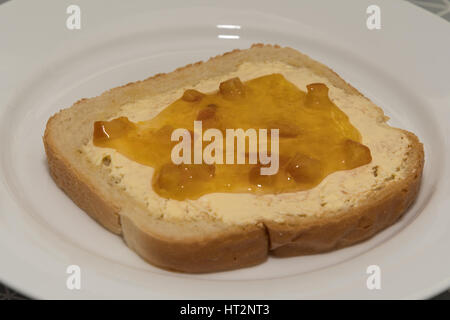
[(228, 231)]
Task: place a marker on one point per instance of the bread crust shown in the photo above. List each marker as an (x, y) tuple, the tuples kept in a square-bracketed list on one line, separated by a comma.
[(233, 250), (244, 246), (77, 188)]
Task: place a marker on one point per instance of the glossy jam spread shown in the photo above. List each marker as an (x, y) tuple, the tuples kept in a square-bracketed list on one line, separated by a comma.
[(315, 138)]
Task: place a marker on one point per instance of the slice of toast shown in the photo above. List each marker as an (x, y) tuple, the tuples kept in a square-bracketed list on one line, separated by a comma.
[(228, 231)]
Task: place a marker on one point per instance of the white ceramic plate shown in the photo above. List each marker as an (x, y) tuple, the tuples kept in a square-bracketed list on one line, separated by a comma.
[(404, 67)]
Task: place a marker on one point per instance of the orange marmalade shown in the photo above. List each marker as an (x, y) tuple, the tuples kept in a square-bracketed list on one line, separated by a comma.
[(315, 138)]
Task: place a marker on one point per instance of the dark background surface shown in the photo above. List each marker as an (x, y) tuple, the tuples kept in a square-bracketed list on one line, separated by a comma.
[(438, 7)]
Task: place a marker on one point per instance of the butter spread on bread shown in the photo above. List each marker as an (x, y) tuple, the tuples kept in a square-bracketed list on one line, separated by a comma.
[(337, 191), (308, 136)]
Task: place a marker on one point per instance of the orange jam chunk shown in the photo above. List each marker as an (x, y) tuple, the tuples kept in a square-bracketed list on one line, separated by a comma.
[(315, 138)]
